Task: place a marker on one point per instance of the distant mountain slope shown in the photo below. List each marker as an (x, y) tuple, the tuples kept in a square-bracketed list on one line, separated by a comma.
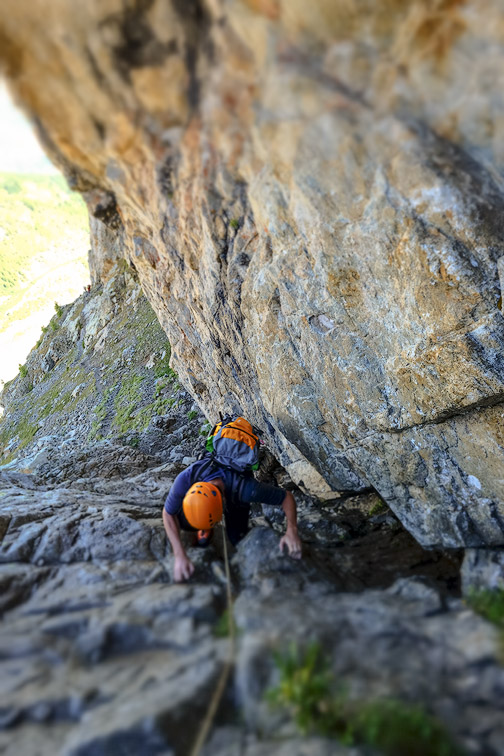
[(44, 238)]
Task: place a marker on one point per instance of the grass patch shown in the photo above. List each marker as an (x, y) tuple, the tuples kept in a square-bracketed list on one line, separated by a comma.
[(397, 728), (100, 412), (23, 371), (25, 431), (164, 382), (162, 369), (308, 691), (58, 309), (192, 414), (54, 399), (489, 603), (125, 404)]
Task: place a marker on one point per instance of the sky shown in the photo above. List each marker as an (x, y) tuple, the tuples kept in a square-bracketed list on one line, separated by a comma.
[(20, 152)]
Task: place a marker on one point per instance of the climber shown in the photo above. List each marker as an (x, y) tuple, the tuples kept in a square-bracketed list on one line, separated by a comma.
[(201, 493)]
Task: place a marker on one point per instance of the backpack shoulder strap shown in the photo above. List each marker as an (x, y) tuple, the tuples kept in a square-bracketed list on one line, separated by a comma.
[(199, 470)]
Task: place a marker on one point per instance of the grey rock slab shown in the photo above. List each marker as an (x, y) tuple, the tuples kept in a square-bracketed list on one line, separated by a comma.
[(230, 741), (34, 740), (297, 746), (153, 716), (379, 643), (482, 569)]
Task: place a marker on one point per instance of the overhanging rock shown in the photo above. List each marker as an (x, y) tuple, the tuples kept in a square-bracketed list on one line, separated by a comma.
[(313, 198)]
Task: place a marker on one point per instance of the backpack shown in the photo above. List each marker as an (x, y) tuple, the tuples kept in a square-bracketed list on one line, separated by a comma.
[(233, 444)]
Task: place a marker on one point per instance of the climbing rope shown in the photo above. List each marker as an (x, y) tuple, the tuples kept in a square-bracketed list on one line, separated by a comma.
[(228, 666)]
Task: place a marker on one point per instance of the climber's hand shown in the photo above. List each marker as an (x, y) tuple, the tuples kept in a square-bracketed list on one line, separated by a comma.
[(182, 569), (292, 542)]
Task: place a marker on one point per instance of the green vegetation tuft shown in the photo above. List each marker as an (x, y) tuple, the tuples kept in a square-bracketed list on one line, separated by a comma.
[(163, 383), (25, 431), (162, 368), (307, 689), (58, 309), (100, 412), (205, 429), (234, 222), (125, 404), (23, 371), (222, 628), (379, 507), (192, 414), (489, 603)]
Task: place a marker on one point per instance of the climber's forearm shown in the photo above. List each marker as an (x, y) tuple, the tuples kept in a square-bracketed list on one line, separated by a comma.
[(173, 532), (289, 508)]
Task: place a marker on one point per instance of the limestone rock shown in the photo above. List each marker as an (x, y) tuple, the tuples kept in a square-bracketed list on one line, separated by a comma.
[(482, 569), (100, 653), (396, 631), (311, 195)]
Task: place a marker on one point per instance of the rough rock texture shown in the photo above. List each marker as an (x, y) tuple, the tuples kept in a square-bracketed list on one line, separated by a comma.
[(483, 569), (400, 627), (99, 372), (312, 194), (101, 654)]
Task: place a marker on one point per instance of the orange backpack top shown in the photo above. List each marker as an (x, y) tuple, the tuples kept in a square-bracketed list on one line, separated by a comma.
[(233, 444)]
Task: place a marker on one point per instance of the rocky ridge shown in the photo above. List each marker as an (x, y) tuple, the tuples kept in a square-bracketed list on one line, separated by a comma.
[(100, 371), (100, 653)]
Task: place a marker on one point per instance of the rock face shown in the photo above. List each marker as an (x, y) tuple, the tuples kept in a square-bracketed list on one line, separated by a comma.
[(101, 653), (99, 372), (312, 195)]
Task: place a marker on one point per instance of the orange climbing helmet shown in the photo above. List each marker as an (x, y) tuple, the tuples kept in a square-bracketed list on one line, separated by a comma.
[(202, 505)]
